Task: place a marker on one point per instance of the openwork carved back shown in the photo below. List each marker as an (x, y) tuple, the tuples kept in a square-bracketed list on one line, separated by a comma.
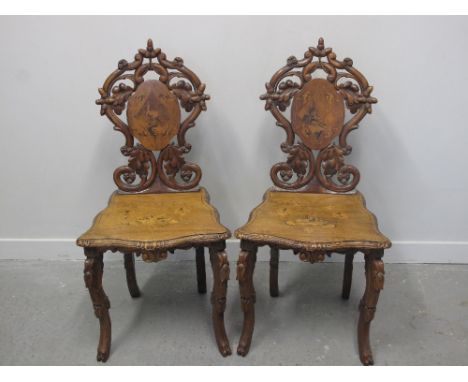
[(154, 118), (318, 118)]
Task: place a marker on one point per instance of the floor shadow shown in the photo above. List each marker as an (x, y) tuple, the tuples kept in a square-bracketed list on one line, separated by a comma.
[(167, 294)]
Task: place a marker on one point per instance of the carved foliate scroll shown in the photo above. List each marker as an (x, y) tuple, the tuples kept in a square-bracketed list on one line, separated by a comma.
[(154, 119), (318, 119), (312, 257)]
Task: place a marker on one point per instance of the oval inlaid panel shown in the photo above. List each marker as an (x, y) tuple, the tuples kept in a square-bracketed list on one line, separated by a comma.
[(317, 113), (153, 115)]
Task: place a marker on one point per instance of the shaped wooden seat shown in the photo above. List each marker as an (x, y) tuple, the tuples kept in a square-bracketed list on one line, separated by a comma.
[(311, 222), (158, 206), (155, 221), (314, 208)]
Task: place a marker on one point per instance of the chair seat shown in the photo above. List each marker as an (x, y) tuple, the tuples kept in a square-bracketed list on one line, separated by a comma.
[(308, 221), (155, 221)]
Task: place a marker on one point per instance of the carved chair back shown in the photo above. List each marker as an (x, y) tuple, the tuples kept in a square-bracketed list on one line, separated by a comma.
[(155, 119), (318, 119)]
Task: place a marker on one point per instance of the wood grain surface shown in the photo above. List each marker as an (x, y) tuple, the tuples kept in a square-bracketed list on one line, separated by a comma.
[(153, 115), (317, 113), (152, 221), (313, 221)]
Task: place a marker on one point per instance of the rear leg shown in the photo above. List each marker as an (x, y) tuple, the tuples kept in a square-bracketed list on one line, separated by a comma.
[(347, 275), (201, 271), (129, 260), (274, 264)]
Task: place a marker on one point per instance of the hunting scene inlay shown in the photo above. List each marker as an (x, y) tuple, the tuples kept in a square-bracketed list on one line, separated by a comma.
[(317, 113), (153, 115)]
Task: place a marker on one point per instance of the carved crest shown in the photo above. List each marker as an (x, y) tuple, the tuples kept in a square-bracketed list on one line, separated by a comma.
[(154, 119), (153, 115), (318, 119)]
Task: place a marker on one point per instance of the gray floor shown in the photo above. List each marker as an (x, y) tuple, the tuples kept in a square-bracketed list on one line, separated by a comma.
[(46, 316)]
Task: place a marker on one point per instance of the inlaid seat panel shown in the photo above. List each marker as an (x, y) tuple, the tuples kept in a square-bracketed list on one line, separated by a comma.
[(152, 221), (313, 221)]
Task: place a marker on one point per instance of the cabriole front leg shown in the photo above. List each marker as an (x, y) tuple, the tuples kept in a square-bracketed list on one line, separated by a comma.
[(374, 268), (220, 266), (245, 269), (93, 271)]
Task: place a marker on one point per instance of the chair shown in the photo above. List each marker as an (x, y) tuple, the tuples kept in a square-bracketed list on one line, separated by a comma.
[(158, 207), (314, 208)]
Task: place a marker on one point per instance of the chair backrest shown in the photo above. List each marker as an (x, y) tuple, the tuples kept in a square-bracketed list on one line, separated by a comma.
[(155, 119), (318, 118)]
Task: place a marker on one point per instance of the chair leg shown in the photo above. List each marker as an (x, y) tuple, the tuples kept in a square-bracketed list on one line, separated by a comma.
[(201, 272), (347, 275), (245, 269), (274, 263), (374, 267), (93, 271), (220, 266), (129, 261)]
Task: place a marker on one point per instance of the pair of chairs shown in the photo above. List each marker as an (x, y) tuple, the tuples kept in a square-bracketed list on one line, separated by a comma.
[(313, 209)]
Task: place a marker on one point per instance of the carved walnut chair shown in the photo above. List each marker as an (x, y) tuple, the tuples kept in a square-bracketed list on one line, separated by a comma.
[(314, 208), (158, 207)]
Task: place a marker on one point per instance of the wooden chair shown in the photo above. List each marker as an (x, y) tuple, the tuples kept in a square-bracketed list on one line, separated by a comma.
[(314, 208), (158, 207)]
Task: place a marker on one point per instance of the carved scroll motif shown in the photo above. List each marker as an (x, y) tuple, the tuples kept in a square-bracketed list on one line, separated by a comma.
[(223, 266), (141, 162), (245, 265), (317, 118), (153, 117), (376, 269), (153, 256), (312, 257), (375, 276)]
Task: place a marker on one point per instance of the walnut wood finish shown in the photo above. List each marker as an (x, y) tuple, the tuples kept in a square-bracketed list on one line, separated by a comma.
[(158, 207), (201, 271), (245, 270), (317, 113), (93, 272), (317, 117), (308, 222), (314, 208), (220, 266), (155, 222), (274, 265), (374, 267), (129, 261), (347, 274), (153, 117)]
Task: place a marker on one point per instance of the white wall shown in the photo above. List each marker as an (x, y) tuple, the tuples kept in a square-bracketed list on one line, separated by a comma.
[(59, 154)]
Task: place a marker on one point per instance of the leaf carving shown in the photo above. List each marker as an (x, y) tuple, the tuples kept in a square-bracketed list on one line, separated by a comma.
[(114, 98), (330, 168)]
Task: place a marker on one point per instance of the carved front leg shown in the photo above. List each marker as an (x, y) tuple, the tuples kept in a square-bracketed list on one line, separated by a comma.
[(220, 266), (129, 260), (93, 271), (245, 269), (274, 264), (347, 274), (374, 284)]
